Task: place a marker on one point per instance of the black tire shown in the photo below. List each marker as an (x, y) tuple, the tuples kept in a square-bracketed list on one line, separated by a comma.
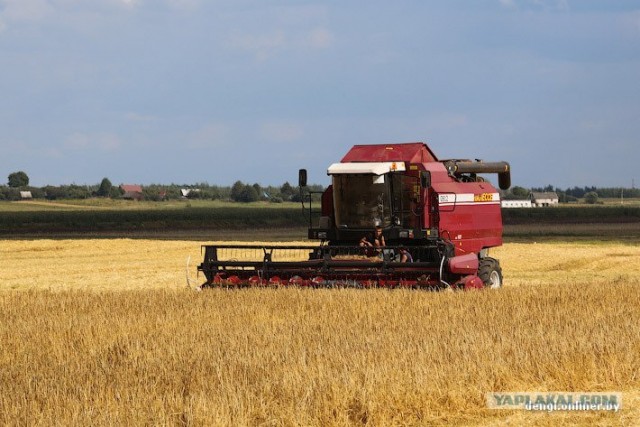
[(490, 273)]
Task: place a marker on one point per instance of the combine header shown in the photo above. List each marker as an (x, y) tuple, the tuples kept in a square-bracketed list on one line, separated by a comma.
[(393, 216)]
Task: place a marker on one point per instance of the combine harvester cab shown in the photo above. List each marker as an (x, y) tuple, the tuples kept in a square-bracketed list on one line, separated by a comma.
[(439, 219)]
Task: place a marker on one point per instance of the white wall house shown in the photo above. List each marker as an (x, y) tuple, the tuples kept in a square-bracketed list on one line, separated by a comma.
[(544, 199), (516, 203)]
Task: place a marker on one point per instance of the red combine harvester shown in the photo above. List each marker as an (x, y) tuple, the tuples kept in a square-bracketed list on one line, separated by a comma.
[(437, 220)]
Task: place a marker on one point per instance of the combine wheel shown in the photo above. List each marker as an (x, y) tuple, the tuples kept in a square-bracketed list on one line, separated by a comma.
[(490, 273)]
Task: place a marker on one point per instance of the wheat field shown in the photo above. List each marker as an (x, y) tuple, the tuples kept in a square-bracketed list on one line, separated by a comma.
[(106, 332)]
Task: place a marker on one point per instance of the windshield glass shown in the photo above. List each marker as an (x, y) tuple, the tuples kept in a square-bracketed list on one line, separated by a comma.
[(361, 201)]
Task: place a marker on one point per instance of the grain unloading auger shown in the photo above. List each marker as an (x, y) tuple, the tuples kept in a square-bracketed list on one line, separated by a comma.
[(434, 221)]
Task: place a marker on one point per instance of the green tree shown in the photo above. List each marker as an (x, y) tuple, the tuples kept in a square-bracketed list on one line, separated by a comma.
[(195, 193), (236, 191), (287, 191), (520, 192), (8, 193), (74, 191), (248, 194), (18, 179), (259, 190), (53, 193), (105, 188), (212, 193), (153, 193), (591, 198)]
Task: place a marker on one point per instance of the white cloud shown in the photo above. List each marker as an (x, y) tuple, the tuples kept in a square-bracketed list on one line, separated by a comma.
[(108, 142), (268, 45), (593, 125), (634, 18), (445, 121), (320, 38), (77, 141), (553, 4), (140, 118), (20, 11), (276, 131), (128, 3), (263, 46), (25, 10), (561, 5), (301, 14), (208, 136), (267, 32), (184, 5), (105, 142)]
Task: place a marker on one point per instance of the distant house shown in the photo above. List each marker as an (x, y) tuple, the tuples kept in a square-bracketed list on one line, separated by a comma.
[(25, 195), (131, 192), (516, 204), (544, 199)]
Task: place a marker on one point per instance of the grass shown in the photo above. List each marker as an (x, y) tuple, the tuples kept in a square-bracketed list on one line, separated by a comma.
[(620, 201), (573, 214), (185, 217), (120, 218), (104, 203), (104, 332), (613, 232)]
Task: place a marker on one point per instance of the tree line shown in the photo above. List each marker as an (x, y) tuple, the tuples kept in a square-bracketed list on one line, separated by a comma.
[(245, 192), (238, 192), (590, 194), (605, 192)]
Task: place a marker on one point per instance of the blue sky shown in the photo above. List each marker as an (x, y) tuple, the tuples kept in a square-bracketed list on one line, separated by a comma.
[(186, 91)]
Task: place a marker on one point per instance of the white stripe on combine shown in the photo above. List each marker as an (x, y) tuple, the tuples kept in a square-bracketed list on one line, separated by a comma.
[(450, 199)]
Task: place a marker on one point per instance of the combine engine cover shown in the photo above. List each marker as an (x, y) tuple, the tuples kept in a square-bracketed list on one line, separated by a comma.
[(394, 215)]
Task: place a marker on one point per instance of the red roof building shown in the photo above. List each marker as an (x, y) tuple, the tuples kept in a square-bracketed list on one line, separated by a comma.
[(131, 191)]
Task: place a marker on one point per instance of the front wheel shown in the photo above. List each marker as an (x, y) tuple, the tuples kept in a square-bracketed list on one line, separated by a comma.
[(490, 273)]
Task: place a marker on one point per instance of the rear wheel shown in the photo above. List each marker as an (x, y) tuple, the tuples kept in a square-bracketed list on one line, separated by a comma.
[(490, 273)]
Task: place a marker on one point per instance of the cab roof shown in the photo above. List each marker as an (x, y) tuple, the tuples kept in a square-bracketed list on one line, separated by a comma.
[(411, 152)]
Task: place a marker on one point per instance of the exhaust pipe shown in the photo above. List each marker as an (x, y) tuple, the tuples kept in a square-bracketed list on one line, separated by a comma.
[(457, 167)]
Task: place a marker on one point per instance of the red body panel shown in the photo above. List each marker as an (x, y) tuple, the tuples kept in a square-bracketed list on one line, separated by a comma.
[(464, 264), (412, 152), (326, 203), (469, 218)]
